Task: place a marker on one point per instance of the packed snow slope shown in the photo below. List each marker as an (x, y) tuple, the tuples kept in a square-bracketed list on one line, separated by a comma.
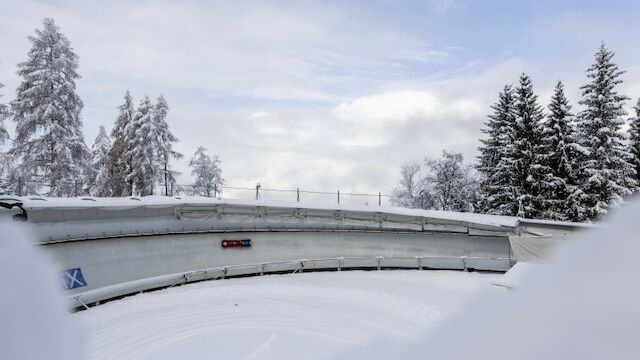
[(310, 315), (582, 303)]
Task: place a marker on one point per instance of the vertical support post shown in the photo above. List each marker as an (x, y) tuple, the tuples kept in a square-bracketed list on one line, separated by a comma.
[(215, 190), (298, 194), (379, 199), (75, 188), (338, 196), (19, 185), (172, 188), (166, 186)]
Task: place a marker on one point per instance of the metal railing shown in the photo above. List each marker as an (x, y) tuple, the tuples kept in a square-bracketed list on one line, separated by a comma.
[(95, 297), (21, 187)]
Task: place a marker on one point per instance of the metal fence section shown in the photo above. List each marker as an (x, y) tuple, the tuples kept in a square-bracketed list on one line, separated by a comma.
[(21, 187)]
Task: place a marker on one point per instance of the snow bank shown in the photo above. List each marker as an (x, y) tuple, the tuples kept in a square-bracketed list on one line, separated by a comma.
[(583, 305), (34, 323)]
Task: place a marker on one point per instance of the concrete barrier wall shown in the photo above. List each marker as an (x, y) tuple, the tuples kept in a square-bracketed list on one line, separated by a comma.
[(113, 261)]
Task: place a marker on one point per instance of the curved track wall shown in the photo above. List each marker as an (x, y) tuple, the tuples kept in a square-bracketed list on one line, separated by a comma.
[(113, 261), (110, 247)]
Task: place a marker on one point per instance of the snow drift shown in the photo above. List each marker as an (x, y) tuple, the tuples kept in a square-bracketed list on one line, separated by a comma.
[(583, 305)]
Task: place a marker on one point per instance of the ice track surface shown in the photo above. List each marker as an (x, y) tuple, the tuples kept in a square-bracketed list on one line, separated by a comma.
[(308, 315)]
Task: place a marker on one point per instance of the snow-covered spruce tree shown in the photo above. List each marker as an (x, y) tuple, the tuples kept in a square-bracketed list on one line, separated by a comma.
[(49, 145), (450, 183), (634, 141), (5, 159), (8, 181), (410, 191), (118, 165), (164, 139), (141, 149), (559, 154), (496, 161), (4, 114), (607, 174), (207, 173), (528, 132), (98, 177)]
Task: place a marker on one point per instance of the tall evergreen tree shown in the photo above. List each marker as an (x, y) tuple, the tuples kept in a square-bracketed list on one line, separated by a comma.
[(97, 182), (4, 114), (207, 173), (164, 140), (607, 173), (49, 143), (118, 165), (496, 161), (6, 163), (559, 154), (141, 149), (527, 135), (634, 141)]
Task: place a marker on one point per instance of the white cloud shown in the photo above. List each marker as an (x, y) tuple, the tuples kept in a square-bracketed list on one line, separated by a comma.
[(259, 114), (402, 105), (397, 106)]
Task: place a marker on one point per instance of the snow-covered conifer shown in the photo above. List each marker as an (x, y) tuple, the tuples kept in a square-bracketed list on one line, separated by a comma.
[(141, 149), (49, 145), (559, 154), (97, 184), (4, 114), (6, 162), (634, 141), (607, 174), (118, 165), (526, 141), (497, 158), (164, 140), (207, 173)]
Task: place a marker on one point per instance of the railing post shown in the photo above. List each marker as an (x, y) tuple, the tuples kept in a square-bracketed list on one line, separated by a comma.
[(338, 196), (298, 194), (19, 185), (379, 199), (75, 188)]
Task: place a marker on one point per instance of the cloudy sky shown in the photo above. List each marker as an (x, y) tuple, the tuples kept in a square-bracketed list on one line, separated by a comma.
[(322, 95)]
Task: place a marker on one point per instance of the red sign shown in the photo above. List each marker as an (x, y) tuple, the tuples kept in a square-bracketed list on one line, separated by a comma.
[(236, 243)]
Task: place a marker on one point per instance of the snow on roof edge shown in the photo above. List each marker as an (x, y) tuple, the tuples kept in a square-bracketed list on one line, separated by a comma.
[(39, 202)]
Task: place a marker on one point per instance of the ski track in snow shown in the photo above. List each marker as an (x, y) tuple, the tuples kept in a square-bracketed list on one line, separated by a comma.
[(277, 316), (261, 347)]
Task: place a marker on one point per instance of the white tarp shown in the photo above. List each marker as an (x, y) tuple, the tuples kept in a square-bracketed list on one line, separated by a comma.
[(533, 248)]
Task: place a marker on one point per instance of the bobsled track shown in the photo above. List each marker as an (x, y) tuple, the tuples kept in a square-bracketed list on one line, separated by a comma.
[(110, 247)]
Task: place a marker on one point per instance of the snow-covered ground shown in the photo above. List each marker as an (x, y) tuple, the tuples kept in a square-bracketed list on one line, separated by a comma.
[(308, 315)]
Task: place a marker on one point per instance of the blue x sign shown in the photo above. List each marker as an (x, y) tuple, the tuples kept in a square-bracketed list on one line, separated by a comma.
[(72, 279)]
